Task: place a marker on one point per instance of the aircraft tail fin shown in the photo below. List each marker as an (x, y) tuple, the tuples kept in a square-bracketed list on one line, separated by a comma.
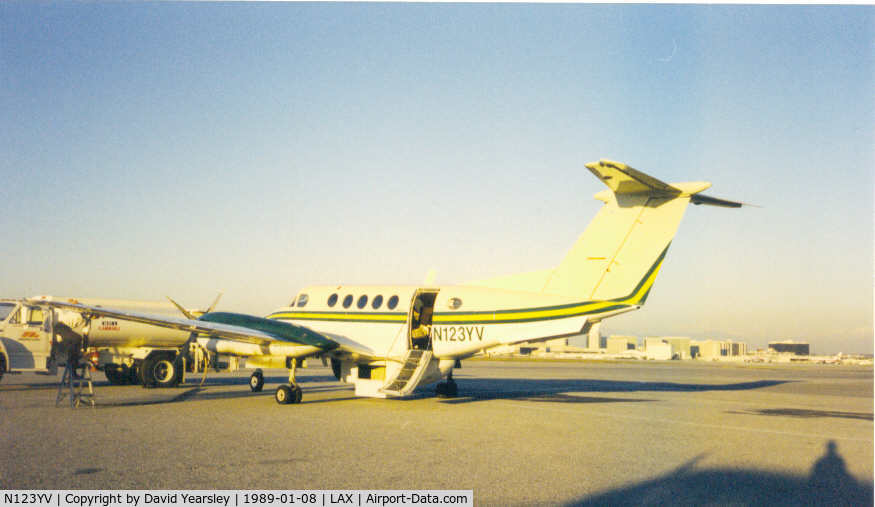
[(621, 251)]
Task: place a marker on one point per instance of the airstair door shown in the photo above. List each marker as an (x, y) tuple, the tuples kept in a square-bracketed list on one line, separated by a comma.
[(420, 319)]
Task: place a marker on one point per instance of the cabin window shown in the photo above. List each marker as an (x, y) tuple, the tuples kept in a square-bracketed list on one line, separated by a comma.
[(378, 300), (393, 302), (332, 300), (347, 300), (302, 300), (363, 300), (454, 303)]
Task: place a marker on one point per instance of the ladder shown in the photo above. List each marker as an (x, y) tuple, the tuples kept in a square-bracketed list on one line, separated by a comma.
[(410, 373), (76, 384)]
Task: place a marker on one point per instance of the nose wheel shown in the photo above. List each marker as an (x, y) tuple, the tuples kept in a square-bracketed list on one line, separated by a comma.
[(447, 389)]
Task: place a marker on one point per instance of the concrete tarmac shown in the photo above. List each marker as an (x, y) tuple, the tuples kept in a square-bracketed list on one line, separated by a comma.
[(520, 432)]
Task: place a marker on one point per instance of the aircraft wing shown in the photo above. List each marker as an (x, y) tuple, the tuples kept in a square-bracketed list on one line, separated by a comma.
[(229, 326)]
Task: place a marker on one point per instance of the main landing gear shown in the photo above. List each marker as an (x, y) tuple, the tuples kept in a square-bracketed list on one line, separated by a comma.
[(447, 389), (285, 394), (256, 381), (291, 393)]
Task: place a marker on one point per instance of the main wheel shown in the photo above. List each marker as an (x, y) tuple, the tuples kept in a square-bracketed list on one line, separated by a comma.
[(256, 381), (299, 394), (284, 395)]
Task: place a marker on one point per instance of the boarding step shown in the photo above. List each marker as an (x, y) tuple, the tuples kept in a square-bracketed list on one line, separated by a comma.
[(410, 373), (79, 385)]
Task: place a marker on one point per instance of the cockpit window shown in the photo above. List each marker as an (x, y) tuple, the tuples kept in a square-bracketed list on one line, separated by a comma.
[(16, 317), (378, 300), (393, 302), (6, 309), (332, 300), (302, 300), (347, 300), (35, 316)]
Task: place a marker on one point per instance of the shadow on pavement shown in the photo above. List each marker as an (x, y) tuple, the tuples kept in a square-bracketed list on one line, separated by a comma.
[(828, 484), (557, 390), (806, 413)]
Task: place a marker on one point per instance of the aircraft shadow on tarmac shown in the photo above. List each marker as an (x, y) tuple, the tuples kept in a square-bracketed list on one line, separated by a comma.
[(805, 413), (557, 390), (828, 483)]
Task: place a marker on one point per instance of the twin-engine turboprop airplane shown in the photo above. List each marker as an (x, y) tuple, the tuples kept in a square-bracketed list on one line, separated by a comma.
[(389, 339)]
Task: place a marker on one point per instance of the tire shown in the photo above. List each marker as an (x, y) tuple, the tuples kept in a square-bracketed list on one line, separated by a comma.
[(256, 381), (284, 395), (2, 366), (446, 390), (452, 390), (161, 371), (299, 394), (116, 374)]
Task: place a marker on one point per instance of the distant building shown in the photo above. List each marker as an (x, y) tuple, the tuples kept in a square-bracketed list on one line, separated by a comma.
[(656, 348), (710, 349), (557, 345), (596, 341), (737, 348), (620, 344), (790, 347), (680, 346)]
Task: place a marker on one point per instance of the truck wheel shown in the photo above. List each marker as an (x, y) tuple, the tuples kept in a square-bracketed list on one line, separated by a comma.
[(161, 371), (114, 374), (2, 365)]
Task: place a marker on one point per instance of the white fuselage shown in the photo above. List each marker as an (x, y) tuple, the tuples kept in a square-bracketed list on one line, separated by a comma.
[(466, 320)]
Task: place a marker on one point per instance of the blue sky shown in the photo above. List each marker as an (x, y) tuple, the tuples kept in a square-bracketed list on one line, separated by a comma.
[(180, 149)]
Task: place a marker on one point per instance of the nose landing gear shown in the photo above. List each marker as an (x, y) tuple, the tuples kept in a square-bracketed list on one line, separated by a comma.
[(447, 389)]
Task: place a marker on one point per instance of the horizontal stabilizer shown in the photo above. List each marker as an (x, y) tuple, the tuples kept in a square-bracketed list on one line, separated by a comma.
[(623, 179), (713, 201)]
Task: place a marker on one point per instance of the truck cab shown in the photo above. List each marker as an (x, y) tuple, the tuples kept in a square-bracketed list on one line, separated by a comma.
[(25, 338)]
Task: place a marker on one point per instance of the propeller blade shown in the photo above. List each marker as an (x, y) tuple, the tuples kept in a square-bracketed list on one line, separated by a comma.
[(213, 306), (185, 312)]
